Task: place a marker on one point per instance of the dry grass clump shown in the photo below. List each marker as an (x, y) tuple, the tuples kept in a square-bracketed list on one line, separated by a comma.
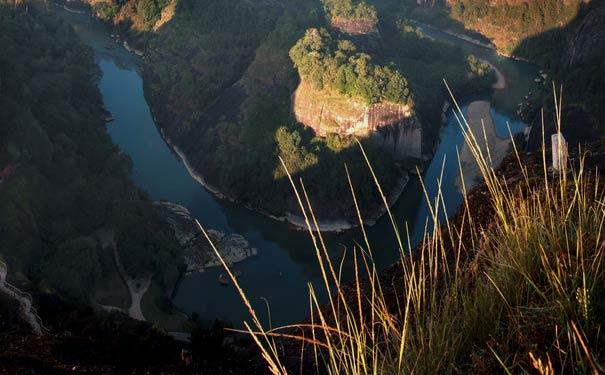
[(521, 292)]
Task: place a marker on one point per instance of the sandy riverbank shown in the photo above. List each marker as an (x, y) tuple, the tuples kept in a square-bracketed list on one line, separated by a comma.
[(479, 118), (500, 80)]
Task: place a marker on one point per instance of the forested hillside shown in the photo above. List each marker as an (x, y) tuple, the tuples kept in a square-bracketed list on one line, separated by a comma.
[(219, 80), (336, 65), (67, 182), (350, 9), (507, 23), (574, 55), (565, 38), (225, 116)]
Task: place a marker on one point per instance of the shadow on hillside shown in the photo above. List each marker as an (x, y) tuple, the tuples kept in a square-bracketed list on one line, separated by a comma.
[(573, 56)]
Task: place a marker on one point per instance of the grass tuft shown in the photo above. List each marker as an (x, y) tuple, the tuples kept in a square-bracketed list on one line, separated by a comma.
[(521, 289)]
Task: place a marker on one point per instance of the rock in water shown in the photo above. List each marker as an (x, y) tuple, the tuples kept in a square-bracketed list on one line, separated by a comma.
[(197, 251)]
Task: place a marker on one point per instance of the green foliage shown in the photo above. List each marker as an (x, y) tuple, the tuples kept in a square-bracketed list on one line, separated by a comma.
[(477, 67), (74, 268), (70, 180), (320, 163), (220, 81), (293, 153), (149, 11), (408, 28), (204, 50), (336, 65), (350, 10), (525, 18), (105, 11)]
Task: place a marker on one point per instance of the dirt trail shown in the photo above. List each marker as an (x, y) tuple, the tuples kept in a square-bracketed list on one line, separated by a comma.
[(136, 287)]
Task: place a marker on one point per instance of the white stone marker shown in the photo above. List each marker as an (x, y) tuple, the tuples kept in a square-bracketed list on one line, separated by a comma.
[(559, 152)]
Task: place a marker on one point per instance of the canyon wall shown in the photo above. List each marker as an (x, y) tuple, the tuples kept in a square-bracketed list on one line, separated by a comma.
[(393, 126)]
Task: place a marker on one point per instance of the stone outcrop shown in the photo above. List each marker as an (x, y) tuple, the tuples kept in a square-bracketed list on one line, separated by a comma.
[(393, 126), (197, 252), (358, 26), (25, 310)]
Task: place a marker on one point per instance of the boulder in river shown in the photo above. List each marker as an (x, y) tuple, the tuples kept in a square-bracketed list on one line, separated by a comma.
[(197, 251)]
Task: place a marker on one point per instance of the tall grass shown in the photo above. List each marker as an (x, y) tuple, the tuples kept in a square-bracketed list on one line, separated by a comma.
[(520, 289)]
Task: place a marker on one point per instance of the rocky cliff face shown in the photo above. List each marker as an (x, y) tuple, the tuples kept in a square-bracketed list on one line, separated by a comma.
[(391, 125), (354, 26)]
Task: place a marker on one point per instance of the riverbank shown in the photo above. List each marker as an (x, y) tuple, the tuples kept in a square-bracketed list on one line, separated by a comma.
[(297, 222), (449, 32), (469, 39), (197, 252), (493, 148), (500, 83)]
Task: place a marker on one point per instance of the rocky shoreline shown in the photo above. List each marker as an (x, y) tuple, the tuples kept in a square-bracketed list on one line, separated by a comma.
[(197, 252), (297, 222)]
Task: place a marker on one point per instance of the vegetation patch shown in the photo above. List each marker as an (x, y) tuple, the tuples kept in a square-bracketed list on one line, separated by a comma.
[(336, 64), (70, 181), (350, 10)]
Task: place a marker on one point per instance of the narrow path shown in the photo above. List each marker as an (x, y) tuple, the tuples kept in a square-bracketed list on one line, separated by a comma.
[(136, 287)]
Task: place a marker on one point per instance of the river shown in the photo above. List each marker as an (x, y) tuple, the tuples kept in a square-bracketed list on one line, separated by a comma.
[(286, 259)]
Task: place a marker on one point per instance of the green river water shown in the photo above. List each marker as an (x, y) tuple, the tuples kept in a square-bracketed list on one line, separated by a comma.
[(286, 261)]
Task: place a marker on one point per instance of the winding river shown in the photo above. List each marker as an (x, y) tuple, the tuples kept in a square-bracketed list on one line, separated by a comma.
[(286, 260)]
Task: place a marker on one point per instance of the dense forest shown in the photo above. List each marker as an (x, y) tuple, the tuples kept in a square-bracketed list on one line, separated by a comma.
[(219, 80), (68, 182), (335, 64), (232, 119), (521, 17), (239, 111), (505, 23)]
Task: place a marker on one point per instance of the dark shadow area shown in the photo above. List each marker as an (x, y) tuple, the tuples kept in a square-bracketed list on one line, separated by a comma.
[(573, 56)]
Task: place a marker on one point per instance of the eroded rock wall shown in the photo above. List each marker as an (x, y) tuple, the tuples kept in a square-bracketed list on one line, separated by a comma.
[(354, 26), (393, 126)]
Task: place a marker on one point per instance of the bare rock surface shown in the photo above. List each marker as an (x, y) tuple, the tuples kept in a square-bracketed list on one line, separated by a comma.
[(392, 126), (197, 251)]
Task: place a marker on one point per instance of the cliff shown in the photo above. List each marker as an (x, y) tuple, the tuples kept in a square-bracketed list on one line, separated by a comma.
[(393, 126), (355, 26)]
